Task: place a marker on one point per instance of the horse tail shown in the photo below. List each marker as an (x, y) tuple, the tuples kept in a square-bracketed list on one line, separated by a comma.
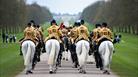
[(28, 55), (83, 55), (106, 54), (52, 54)]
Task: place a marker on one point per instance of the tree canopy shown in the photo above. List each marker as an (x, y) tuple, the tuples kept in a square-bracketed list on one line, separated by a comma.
[(16, 13), (119, 14)]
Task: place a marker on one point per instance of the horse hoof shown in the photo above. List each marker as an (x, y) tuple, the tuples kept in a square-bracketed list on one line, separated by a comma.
[(101, 68), (63, 58), (105, 72), (38, 60), (80, 71), (108, 72), (75, 66), (59, 65), (28, 72), (54, 72), (84, 72), (50, 72), (97, 66)]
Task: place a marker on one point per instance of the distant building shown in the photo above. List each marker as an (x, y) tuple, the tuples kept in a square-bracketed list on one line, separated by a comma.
[(66, 18)]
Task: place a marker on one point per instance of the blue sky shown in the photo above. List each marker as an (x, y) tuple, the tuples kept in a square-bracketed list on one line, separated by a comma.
[(64, 6)]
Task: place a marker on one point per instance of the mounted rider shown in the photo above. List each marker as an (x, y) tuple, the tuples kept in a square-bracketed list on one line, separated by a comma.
[(83, 32), (104, 34), (54, 32), (73, 36), (74, 33), (29, 34), (95, 36), (40, 30), (64, 31), (39, 36)]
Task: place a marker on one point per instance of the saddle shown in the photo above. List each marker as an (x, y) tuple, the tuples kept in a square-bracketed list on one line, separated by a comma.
[(28, 39), (80, 39), (103, 39)]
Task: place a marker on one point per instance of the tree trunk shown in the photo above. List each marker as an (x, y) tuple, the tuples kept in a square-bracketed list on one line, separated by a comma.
[(129, 29), (126, 29), (133, 29), (136, 29)]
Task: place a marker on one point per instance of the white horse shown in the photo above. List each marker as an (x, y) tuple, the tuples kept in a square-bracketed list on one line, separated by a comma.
[(106, 49), (82, 49), (28, 50), (52, 48)]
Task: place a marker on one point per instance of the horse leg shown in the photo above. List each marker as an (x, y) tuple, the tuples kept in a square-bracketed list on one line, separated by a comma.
[(50, 69), (28, 65), (110, 59), (66, 55), (60, 54), (83, 69), (24, 51), (80, 69), (63, 53), (96, 59), (100, 61), (59, 57), (38, 55), (55, 68), (34, 60), (43, 46), (74, 56), (21, 51), (78, 56), (32, 52), (76, 60)]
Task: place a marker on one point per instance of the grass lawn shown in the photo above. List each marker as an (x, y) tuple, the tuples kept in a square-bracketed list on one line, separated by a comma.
[(11, 63), (125, 59)]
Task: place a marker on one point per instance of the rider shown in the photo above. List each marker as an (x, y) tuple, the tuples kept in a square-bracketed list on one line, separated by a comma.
[(96, 35), (73, 33), (73, 36), (55, 33), (98, 59), (40, 29), (38, 35), (29, 34), (65, 36), (104, 34), (83, 32)]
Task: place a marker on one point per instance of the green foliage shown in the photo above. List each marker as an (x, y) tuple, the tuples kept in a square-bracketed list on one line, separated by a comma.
[(16, 13), (38, 14), (117, 13)]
